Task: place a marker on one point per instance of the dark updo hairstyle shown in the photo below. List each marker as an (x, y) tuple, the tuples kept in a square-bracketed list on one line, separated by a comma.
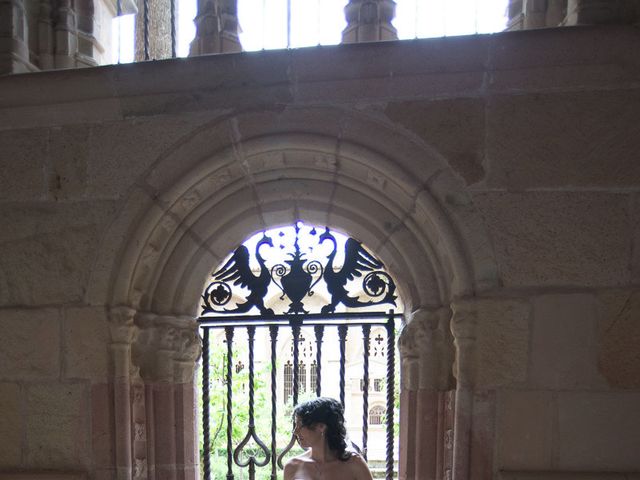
[(330, 412)]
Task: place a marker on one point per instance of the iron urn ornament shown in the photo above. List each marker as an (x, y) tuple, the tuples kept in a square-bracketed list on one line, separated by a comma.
[(296, 277)]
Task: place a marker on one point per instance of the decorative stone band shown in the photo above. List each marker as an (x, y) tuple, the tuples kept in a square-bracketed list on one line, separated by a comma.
[(167, 347)]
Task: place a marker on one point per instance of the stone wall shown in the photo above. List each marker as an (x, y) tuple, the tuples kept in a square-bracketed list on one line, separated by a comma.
[(501, 170)]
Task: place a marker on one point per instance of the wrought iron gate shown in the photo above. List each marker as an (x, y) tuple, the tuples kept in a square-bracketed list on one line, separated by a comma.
[(296, 282)]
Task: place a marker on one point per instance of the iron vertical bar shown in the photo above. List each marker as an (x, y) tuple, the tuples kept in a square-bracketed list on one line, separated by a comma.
[(118, 15), (145, 21), (273, 332), (342, 334), (288, 23), (319, 331), (173, 28), (251, 332), (229, 336), (205, 404), (296, 352), (390, 392), (366, 330)]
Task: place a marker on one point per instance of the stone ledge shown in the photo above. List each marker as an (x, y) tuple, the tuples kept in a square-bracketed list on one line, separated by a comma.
[(563, 475), (43, 475)]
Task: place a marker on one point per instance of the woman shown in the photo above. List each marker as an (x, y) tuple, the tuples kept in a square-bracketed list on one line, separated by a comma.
[(319, 428)]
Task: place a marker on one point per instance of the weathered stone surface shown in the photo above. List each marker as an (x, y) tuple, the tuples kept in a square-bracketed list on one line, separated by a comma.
[(123, 151), (57, 430), (619, 338), (23, 155), (86, 338), (564, 140), (598, 431), (564, 342), (558, 238), (635, 246), (555, 58), (69, 154), (502, 342), (454, 127), (29, 344), (11, 425), (524, 430), (48, 249)]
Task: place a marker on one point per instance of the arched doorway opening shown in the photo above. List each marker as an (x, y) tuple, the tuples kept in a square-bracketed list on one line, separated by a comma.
[(306, 302)]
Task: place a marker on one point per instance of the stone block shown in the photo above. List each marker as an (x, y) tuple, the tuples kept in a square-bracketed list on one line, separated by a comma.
[(635, 246), (123, 152), (558, 238), (69, 154), (11, 425), (598, 431), (48, 249), (619, 338), (57, 426), (86, 338), (564, 140), (524, 430), (29, 344), (429, 67), (502, 342), (564, 342), (102, 428), (23, 155), (556, 58), (454, 127)]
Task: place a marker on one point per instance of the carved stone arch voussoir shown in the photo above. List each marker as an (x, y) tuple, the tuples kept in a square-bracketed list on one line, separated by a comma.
[(165, 254)]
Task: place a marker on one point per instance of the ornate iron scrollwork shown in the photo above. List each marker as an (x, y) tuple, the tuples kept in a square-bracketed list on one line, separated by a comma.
[(296, 278)]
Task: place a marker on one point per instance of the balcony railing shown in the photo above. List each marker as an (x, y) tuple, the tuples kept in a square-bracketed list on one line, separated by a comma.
[(270, 454)]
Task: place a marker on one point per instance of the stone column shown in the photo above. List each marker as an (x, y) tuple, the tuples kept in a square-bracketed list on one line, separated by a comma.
[(515, 12), (426, 351), (65, 35), (14, 50), (46, 44), (535, 13), (157, 14), (369, 21), (556, 12), (409, 376), (167, 352), (216, 28), (123, 333), (463, 328)]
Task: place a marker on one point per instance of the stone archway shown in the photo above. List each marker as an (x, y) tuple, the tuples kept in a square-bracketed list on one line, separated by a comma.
[(196, 214)]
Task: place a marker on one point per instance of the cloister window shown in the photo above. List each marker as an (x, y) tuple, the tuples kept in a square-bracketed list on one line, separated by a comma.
[(322, 337), (376, 415)]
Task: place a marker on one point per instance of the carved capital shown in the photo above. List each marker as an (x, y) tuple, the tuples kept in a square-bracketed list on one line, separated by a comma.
[(464, 319), (426, 348), (168, 348)]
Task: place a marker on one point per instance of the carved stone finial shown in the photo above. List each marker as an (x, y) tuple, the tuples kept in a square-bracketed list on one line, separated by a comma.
[(369, 21)]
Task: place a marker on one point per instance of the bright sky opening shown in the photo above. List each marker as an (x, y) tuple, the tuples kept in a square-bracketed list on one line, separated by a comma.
[(320, 22)]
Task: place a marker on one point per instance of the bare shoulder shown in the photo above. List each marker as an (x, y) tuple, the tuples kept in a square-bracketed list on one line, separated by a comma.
[(294, 464), (359, 468), (290, 468)]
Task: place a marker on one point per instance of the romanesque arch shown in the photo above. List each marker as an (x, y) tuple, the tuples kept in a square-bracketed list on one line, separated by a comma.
[(238, 175)]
